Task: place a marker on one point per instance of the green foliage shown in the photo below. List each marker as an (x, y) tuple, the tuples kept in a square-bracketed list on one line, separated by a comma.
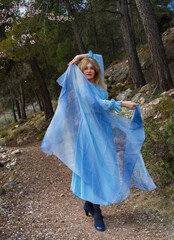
[(62, 52), (3, 133), (117, 88), (114, 62), (41, 136), (41, 121), (144, 90), (128, 86), (163, 14), (120, 80), (158, 150), (165, 107), (5, 120)]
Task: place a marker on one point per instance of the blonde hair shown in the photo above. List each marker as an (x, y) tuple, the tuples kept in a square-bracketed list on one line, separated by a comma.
[(98, 75)]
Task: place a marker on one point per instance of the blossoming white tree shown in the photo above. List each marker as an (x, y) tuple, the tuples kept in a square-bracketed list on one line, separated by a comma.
[(24, 35)]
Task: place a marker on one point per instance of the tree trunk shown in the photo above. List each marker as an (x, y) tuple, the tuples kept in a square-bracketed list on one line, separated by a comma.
[(12, 106), (129, 2), (13, 110), (161, 70), (22, 95), (45, 98), (75, 29), (130, 46), (38, 100), (32, 103), (94, 27), (36, 95), (18, 109), (139, 33)]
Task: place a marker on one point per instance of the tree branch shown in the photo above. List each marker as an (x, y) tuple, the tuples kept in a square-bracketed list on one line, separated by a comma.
[(111, 11)]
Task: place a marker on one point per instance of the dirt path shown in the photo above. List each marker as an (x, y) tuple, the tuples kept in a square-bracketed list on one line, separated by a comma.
[(41, 206)]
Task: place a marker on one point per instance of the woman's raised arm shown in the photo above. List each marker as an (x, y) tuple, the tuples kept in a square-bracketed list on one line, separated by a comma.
[(77, 58)]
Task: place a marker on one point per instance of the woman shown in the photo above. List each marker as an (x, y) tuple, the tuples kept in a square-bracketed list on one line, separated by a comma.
[(102, 148)]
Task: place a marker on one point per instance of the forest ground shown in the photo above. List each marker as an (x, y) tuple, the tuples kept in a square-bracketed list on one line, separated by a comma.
[(41, 206)]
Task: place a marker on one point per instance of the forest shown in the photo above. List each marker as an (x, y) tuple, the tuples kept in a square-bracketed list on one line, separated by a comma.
[(38, 39)]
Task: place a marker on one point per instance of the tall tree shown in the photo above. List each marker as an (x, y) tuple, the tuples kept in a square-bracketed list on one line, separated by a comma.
[(161, 70), (47, 106), (130, 45), (75, 28)]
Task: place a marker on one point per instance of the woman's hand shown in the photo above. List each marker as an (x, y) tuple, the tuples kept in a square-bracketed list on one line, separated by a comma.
[(77, 58), (129, 104)]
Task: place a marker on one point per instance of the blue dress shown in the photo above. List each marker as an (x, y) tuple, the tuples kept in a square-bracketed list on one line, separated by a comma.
[(102, 148)]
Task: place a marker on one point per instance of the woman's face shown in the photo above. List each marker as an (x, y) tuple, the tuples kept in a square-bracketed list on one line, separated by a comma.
[(89, 72)]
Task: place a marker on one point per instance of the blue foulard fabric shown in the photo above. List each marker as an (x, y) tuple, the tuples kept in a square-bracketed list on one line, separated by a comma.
[(102, 148)]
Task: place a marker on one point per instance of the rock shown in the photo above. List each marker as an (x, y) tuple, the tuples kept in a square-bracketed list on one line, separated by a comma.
[(123, 76), (170, 93), (3, 150), (142, 100), (137, 97), (6, 160), (155, 101), (19, 140), (161, 128), (17, 151), (124, 95), (145, 87), (147, 110), (120, 84), (8, 186), (11, 165), (158, 116), (145, 65), (4, 156)]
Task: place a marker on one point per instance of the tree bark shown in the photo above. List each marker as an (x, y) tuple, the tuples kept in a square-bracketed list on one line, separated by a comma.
[(45, 98), (12, 106), (36, 95), (94, 27), (13, 110), (38, 100), (130, 46), (75, 28), (22, 96), (18, 109), (129, 2), (161, 70), (139, 34)]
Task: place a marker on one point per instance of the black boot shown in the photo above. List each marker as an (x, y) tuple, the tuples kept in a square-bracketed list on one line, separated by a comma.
[(1, 164), (98, 218), (88, 207)]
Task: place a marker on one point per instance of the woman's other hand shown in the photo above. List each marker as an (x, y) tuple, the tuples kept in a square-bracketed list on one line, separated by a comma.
[(75, 60), (129, 104)]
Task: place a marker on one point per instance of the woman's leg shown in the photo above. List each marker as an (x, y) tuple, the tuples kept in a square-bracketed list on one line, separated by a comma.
[(98, 218), (88, 207)]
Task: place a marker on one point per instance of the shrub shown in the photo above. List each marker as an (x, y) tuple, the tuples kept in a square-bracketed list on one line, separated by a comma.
[(115, 62), (128, 86), (158, 150), (165, 107), (3, 133)]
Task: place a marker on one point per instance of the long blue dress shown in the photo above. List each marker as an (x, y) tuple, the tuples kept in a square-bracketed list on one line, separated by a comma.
[(102, 148)]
